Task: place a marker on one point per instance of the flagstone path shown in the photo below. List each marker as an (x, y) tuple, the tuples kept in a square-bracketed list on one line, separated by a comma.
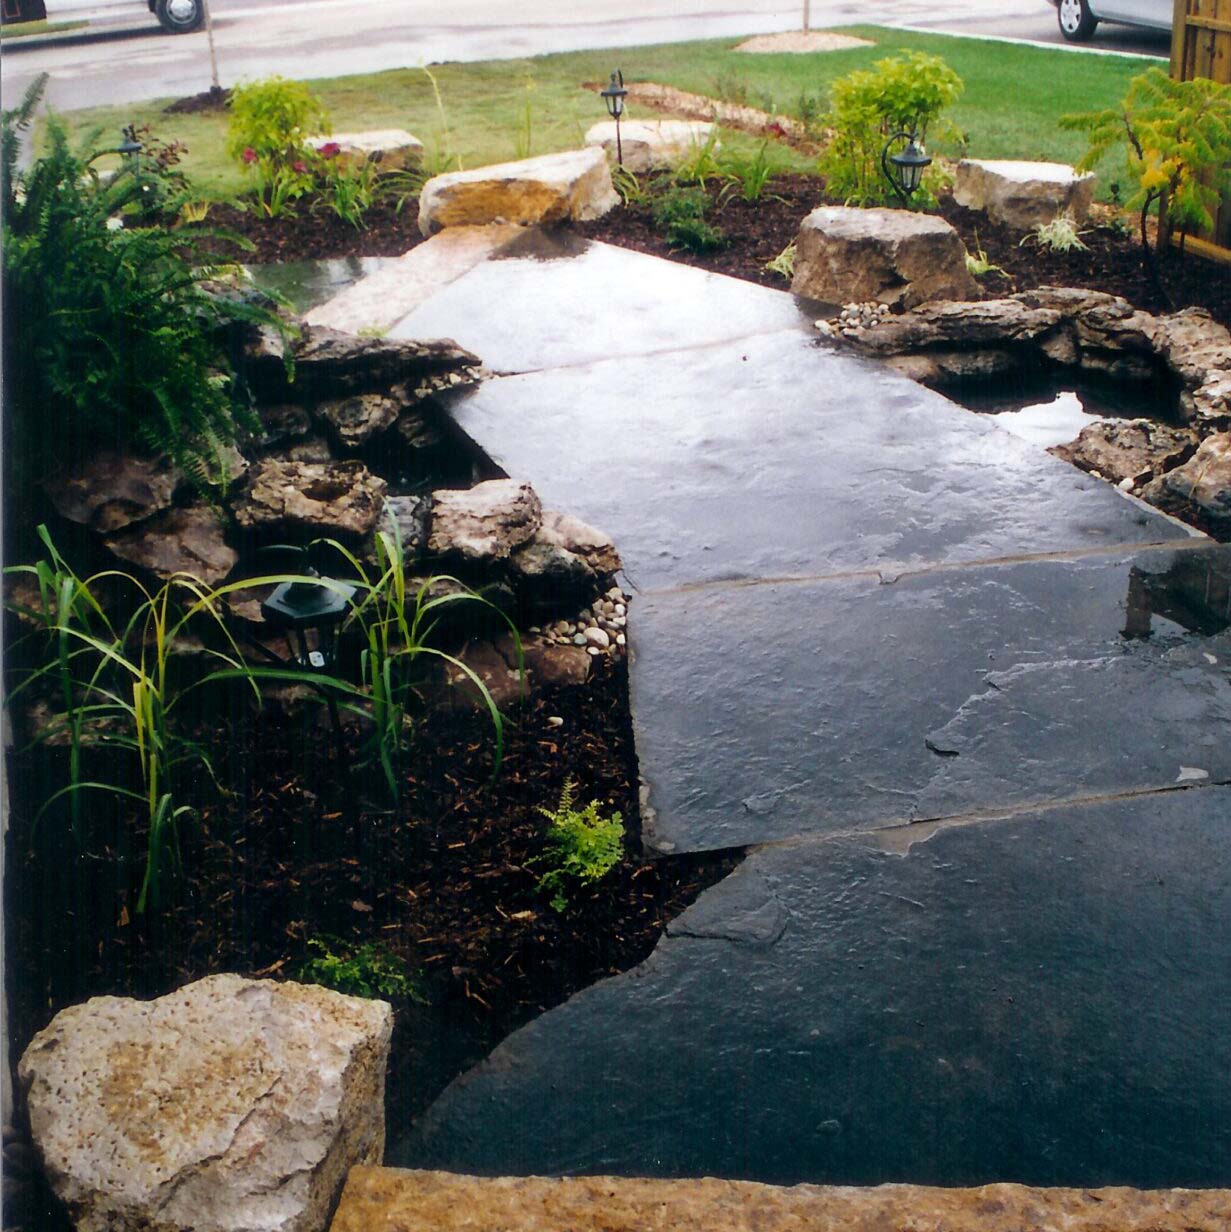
[(969, 708)]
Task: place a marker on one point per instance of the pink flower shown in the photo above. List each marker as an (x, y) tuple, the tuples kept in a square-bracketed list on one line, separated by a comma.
[(249, 155), (299, 165), (776, 129), (331, 149)]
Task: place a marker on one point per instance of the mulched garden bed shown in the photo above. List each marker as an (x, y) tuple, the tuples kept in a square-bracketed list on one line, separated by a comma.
[(306, 848)]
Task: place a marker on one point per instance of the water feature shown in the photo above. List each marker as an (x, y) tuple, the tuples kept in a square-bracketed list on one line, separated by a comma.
[(304, 284)]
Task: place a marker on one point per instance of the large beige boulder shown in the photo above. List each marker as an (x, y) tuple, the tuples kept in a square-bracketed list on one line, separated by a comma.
[(1200, 490), (1132, 450), (1023, 194), (340, 498), (846, 255), (650, 145), (487, 522), (232, 1105), (573, 185), (393, 148)]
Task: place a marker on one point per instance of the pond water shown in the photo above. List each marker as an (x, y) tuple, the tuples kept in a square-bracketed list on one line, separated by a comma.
[(304, 284)]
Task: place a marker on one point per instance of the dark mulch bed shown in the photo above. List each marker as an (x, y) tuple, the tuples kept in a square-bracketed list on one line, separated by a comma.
[(305, 848), (314, 233)]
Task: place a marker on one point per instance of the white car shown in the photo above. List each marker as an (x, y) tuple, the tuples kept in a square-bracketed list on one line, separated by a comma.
[(1078, 18), (175, 16)]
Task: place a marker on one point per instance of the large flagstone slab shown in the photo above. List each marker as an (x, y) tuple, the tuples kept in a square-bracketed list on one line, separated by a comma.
[(1041, 999), (552, 299), (767, 711), (778, 456)]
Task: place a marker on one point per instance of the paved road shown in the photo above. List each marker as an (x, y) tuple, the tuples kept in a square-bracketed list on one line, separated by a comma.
[(131, 59)]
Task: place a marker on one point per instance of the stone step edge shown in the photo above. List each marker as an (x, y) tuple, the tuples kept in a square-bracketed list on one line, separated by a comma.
[(399, 1200)]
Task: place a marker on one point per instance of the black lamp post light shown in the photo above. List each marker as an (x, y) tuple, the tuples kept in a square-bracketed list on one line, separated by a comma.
[(309, 613), (614, 96), (904, 170)]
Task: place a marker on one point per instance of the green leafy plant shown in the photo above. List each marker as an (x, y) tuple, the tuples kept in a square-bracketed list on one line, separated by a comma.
[(367, 970), (732, 89), (699, 163), (783, 263), (117, 342), (439, 155), (270, 123), (680, 214), (1177, 139), (523, 139), (347, 187), (750, 173), (906, 93), (978, 264), (810, 111), (1061, 234), (632, 190), (113, 681), (396, 623), (582, 846)]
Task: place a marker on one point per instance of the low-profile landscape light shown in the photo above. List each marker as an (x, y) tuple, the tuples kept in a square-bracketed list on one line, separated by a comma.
[(614, 96), (908, 166), (309, 612), (130, 147)]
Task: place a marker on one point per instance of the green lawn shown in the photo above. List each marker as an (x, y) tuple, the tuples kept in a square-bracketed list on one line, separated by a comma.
[(1014, 96)]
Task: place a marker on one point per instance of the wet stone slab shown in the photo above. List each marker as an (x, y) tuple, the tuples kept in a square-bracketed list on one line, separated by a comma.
[(776, 456), (1041, 998), (552, 299), (767, 711)]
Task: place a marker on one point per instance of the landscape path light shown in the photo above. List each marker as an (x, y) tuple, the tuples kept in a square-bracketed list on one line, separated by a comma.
[(614, 96), (309, 612), (904, 170)]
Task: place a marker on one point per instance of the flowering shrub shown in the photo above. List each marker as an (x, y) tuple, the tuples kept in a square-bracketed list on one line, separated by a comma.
[(346, 188), (271, 121)]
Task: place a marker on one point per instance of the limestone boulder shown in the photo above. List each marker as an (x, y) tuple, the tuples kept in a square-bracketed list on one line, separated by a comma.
[(550, 579), (557, 666), (650, 145), (551, 188), (1200, 490), (282, 423), (846, 255), (191, 539), (1023, 194), (355, 420), (341, 498), (562, 530), (109, 490), (487, 522), (405, 518), (394, 149), (328, 363), (1129, 450), (232, 1105)]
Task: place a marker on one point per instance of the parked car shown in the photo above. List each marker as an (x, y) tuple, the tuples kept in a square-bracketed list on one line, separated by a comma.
[(1079, 18), (175, 16)]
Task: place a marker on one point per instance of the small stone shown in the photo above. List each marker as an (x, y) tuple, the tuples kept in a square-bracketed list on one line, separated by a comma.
[(579, 639), (593, 650), (554, 720), (620, 639), (619, 609), (596, 637)]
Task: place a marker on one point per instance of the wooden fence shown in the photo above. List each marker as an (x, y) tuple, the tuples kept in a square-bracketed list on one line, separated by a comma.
[(1201, 47)]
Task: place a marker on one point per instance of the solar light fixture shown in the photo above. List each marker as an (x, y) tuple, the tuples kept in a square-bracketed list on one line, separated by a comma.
[(309, 612), (130, 147), (614, 96), (904, 170)]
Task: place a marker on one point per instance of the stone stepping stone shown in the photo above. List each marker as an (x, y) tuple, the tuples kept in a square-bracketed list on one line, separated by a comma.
[(1042, 997), (766, 711), (551, 188), (650, 145), (777, 456), (1023, 194), (553, 300)]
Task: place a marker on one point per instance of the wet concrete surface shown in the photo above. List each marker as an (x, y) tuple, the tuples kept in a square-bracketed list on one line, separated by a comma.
[(305, 284), (1041, 999), (859, 605), (766, 711), (555, 300)]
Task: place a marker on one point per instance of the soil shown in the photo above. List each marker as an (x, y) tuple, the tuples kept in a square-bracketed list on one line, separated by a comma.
[(308, 847), (757, 231)]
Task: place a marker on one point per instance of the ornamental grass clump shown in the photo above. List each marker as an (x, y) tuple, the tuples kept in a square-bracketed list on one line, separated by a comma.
[(902, 94)]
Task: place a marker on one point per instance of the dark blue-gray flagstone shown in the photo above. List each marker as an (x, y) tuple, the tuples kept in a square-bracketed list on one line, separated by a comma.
[(766, 711), (1040, 999)]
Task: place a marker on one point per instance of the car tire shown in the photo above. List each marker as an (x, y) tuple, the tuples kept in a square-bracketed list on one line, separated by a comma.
[(1077, 23), (180, 16)]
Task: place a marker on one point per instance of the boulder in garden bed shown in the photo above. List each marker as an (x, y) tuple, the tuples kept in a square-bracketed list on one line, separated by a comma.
[(1200, 490), (1136, 450), (394, 149), (191, 539), (108, 490), (1023, 194), (358, 418), (650, 145), (847, 255), (341, 498), (551, 188), (487, 522), (231, 1105)]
